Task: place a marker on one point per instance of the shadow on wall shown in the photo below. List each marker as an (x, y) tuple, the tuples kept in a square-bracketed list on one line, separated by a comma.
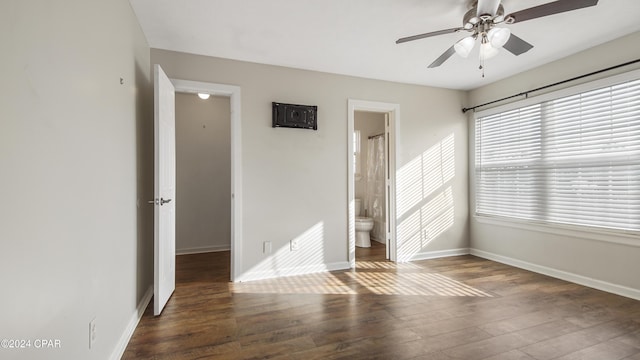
[(144, 176), (425, 207), (305, 257)]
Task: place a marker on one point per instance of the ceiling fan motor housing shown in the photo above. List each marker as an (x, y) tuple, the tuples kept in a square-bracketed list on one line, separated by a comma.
[(472, 19)]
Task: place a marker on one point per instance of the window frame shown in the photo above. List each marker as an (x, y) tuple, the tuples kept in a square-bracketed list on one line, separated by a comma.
[(619, 236)]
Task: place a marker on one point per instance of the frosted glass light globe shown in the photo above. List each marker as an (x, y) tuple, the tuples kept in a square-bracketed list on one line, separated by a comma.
[(498, 36), (487, 51), (464, 46)]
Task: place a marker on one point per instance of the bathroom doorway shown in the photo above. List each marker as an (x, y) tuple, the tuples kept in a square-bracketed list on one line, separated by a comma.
[(371, 172), (369, 142)]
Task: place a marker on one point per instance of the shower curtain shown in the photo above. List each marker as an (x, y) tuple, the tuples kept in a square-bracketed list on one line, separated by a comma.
[(375, 194)]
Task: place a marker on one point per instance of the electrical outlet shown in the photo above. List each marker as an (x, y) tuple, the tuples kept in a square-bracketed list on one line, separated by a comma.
[(92, 332), (266, 247), (295, 245)]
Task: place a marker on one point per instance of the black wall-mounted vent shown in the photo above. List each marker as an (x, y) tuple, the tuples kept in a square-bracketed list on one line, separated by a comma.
[(294, 116)]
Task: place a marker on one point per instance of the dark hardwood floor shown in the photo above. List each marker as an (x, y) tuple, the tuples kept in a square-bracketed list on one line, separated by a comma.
[(451, 308)]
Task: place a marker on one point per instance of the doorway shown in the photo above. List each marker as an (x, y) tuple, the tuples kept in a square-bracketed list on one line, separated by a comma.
[(232, 93), (370, 165), (203, 173), (390, 113)]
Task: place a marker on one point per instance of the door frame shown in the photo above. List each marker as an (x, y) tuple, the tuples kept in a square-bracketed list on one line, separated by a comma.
[(233, 93), (393, 110)]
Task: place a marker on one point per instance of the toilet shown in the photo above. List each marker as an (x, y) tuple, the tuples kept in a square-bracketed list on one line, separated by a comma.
[(363, 226)]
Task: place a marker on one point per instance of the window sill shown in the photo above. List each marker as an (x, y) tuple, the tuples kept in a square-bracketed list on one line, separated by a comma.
[(610, 236)]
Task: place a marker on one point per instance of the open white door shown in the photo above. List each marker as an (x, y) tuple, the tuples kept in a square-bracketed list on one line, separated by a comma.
[(164, 271), (387, 190)]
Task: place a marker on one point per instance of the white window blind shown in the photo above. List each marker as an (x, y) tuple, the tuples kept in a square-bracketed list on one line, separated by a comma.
[(572, 160)]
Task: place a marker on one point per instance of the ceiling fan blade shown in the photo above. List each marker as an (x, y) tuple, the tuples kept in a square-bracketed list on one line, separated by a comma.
[(488, 7), (517, 46), (442, 58), (551, 8), (426, 35)]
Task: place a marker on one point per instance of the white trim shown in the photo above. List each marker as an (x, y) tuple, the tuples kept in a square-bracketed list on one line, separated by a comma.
[(394, 125), (293, 271), (233, 92), (604, 235), (202, 249), (439, 254), (559, 274), (121, 346)]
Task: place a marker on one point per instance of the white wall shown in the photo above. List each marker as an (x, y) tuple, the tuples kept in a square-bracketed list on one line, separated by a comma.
[(604, 264), (295, 181), (203, 174), (75, 160)]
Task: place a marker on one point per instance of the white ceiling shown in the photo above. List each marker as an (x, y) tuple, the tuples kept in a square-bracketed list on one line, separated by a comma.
[(357, 37)]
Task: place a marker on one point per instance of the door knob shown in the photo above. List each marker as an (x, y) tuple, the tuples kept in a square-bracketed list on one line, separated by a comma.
[(163, 201)]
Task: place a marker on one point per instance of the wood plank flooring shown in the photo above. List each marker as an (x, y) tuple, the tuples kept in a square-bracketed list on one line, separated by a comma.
[(451, 308)]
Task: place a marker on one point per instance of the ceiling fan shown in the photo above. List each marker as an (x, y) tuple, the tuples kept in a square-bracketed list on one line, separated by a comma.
[(482, 22)]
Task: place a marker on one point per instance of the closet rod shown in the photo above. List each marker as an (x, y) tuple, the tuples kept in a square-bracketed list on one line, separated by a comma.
[(526, 93)]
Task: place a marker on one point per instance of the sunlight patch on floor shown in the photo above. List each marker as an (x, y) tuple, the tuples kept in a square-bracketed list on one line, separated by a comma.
[(366, 280), (321, 283), (364, 265), (416, 283)]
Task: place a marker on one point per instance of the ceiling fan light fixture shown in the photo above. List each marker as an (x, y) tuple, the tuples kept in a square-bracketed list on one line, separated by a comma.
[(498, 36), (487, 51), (464, 46), (482, 19)]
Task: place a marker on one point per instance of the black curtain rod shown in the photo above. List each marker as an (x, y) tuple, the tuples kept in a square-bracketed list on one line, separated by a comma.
[(375, 136), (526, 93)]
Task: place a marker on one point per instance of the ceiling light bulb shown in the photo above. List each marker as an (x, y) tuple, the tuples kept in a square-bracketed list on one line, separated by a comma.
[(487, 51), (203, 96), (498, 36), (464, 46)]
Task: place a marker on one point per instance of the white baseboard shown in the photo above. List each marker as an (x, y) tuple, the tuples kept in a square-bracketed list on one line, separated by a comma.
[(202, 249), (292, 271), (133, 323), (563, 275), (439, 254)]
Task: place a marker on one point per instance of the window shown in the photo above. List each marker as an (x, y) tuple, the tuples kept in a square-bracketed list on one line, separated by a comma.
[(569, 160), (357, 161)]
